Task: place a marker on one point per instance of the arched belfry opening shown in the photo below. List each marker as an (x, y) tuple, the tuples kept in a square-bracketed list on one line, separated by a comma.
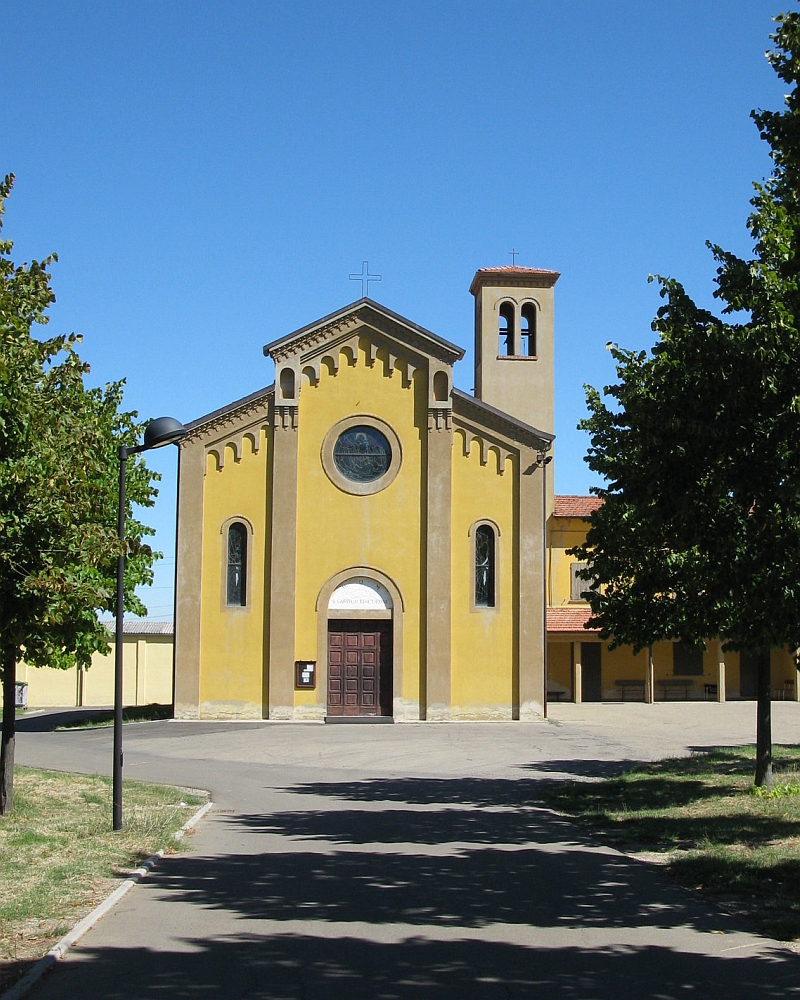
[(505, 346), (527, 333)]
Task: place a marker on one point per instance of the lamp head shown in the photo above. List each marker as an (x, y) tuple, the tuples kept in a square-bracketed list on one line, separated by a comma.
[(161, 431)]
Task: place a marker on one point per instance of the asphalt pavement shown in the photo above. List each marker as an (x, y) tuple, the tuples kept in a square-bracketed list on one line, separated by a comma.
[(409, 861)]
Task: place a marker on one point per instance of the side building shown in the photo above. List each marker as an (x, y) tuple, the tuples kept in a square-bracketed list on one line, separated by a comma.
[(582, 668), (147, 669)]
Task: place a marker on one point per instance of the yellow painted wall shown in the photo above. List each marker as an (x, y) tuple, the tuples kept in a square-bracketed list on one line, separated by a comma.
[(784, 673), (232, 639), (621, 664), (663, 670), (484, 654), (783, 670), (562, 534), (48, 687), (336, 530), (559, 671), (147, 677)]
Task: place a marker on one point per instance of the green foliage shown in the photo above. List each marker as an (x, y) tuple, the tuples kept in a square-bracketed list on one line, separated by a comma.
[(699, 440), (777, 791), (59, 471)]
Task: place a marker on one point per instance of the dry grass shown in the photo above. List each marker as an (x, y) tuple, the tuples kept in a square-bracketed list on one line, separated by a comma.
[(59, 856), (701, 819)]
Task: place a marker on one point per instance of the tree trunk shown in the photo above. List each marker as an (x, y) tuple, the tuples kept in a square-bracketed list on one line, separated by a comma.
[(764, 723), (9, 666)]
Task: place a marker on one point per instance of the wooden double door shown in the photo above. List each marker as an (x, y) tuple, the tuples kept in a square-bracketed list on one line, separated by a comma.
[(591, 673), (359, 667), (749, 665)]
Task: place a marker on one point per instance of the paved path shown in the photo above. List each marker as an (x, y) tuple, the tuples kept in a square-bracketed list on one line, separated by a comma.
[(410, 862)]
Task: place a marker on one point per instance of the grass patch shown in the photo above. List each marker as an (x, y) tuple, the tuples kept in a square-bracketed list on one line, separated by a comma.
[(59, 856), (134, 713), (701, 819)]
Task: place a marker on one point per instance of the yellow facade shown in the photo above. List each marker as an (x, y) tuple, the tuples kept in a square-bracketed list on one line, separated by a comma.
[(266, 466), (381, 530), (232, 638), (485, 653)]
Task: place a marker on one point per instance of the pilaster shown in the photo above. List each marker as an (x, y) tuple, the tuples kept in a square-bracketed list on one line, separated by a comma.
[(283, 562), (721, 693), (577, 674), (531, 595), (188, 579), (438, 624), (141, 671)]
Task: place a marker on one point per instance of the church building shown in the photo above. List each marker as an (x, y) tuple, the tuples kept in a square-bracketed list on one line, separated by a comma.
[(362, 539)]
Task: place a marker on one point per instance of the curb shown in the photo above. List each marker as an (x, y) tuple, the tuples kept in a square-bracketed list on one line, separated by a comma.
[(60, 949)]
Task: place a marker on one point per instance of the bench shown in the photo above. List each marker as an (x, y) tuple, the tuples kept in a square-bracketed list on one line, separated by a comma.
[(631, 684), (786, 693), (676, 684)]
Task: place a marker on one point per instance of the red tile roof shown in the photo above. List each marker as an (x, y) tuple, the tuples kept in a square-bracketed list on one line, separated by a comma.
[(514, 269), (569, 620), (575, 506)]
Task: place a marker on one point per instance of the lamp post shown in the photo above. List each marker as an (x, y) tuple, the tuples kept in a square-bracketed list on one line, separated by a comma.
[(161, 431)]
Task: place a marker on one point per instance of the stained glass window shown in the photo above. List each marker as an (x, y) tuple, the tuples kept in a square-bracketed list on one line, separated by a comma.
[(362, 454), (237, 565), (484, 567)]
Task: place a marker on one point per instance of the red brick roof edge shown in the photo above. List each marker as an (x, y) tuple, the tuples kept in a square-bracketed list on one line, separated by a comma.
[(571, 505), (569, 620)]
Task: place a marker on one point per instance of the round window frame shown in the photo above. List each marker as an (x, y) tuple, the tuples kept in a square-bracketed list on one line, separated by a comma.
[(338, 478)]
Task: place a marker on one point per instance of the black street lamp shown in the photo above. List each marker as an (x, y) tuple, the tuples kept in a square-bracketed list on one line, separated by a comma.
[(161, 431)]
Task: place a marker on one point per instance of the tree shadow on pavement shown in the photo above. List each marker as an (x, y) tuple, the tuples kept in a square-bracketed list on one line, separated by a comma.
[(429, 888), (292, 966)]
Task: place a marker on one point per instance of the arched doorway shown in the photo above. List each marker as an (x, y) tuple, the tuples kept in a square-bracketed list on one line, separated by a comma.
[(359, 649), (391, 614)]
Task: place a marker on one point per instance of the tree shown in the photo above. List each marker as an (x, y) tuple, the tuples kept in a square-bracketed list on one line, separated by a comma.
[(699, 446), (59, 442)]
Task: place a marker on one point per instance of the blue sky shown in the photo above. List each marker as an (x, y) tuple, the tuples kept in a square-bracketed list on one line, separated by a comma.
[(210, 173)]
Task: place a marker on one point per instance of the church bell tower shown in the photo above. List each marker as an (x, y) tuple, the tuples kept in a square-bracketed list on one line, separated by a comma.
[(514, 342)]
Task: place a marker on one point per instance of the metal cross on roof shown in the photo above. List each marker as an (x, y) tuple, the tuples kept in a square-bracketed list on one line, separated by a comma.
[(513, 254), (365, 277)]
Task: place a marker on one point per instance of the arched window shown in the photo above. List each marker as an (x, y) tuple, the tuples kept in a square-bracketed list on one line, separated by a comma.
[(484, 567), (528, 331), (287, 383), (506, 324), (440, 387), (237, 565)]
